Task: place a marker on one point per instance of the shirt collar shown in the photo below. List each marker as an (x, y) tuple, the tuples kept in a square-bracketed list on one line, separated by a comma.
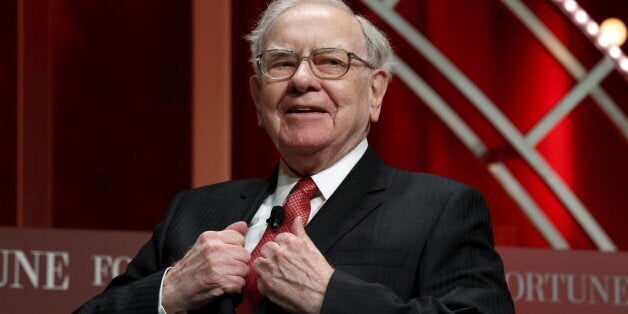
[(326, 180)]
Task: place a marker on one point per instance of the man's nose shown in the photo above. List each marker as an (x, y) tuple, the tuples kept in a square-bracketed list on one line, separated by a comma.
[(303, 78)]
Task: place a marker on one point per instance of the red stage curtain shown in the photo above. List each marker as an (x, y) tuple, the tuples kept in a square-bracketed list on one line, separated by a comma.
[(487, 43)]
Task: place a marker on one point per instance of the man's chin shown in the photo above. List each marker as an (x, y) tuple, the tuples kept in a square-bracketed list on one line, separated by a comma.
[(303, 146)]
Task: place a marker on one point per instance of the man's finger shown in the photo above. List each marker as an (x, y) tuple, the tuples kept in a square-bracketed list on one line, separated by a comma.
[(297, 227), (237, 252), (268, 248), (239, 226)]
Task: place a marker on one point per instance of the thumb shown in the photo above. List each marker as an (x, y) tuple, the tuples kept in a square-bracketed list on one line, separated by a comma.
[(239, 226), (297, 227)]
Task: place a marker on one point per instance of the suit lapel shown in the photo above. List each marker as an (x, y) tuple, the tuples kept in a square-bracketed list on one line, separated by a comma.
[(248, 201), (357, 196), (253, 198), (244, 209)]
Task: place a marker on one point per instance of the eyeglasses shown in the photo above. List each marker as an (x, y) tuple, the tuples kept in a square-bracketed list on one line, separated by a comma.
[(325, 63)]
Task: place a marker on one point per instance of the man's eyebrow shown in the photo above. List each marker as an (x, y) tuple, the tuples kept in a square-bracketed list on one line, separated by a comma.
[(274, 46), (339, 46)]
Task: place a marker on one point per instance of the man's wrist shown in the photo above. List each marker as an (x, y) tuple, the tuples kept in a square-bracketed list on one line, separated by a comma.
[(160, 308)]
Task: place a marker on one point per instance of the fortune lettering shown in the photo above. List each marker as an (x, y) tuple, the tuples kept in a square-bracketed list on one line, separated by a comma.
[(568, 288), (33, 266)]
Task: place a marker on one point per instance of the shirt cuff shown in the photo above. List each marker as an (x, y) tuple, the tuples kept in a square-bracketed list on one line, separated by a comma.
[(160, 308)]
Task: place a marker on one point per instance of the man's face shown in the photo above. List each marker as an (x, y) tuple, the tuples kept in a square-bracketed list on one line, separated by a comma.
[(334, 114)]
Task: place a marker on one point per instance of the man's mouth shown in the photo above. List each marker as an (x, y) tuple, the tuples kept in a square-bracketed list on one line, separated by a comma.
[(304, 110)]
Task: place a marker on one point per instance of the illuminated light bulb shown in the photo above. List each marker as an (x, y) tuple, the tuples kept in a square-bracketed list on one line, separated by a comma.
[(614, 31), (623, 64), (570, 5), (614, 52), (603, 41), (592, 28), (581, 17)]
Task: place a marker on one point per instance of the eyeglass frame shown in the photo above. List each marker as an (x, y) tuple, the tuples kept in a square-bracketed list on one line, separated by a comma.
[(350, 56)]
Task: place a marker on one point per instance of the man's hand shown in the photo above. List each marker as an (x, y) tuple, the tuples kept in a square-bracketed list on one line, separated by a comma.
[(215, 265), (292, 272)]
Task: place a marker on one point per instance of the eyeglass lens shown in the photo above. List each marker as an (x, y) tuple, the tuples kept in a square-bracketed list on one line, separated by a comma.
[(324, 63)]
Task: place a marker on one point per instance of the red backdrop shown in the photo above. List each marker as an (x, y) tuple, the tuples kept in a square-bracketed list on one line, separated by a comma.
[(119, 84), (117, 77), (487, 43)]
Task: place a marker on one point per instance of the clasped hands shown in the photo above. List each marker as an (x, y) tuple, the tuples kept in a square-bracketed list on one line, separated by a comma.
[(291, 271)]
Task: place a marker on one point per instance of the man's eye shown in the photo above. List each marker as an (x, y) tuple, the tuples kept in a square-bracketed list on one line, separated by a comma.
[(331, 62), (281, 64)]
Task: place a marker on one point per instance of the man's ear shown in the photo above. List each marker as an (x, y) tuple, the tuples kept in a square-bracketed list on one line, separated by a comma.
[(254, 88), (379, 84)]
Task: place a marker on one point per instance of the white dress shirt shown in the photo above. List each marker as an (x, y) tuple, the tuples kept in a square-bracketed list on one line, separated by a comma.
[(326, 180)]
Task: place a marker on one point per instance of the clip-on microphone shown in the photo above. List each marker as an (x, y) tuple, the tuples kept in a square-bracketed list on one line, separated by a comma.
[(277, 215)]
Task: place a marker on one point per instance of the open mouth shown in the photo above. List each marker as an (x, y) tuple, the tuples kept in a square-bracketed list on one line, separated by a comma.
[(304, 110)]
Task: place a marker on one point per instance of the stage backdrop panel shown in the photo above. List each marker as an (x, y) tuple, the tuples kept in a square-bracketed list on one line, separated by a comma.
[(59, 269)]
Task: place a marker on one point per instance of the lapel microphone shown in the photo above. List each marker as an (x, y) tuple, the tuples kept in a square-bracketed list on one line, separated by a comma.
[(277, 215)]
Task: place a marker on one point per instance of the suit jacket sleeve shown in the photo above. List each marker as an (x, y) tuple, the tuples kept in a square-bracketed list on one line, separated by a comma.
[(459, 271), (137, 290)]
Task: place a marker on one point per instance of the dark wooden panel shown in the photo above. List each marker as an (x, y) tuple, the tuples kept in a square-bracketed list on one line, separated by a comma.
[(8, 100), (122, 111)]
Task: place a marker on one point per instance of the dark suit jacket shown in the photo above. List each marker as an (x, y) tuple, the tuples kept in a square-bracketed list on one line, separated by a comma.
[(400, 242)]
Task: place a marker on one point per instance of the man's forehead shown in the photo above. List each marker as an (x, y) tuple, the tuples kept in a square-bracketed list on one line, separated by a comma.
[(312, 26), (311, 11)]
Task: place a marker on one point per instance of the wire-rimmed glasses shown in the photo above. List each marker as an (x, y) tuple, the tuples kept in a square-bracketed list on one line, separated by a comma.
[(325, 63)]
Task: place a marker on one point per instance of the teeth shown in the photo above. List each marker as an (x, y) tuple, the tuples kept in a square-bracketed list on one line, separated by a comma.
[(301, 110)]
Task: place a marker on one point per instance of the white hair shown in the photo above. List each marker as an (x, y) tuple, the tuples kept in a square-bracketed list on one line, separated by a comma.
[(378, 47)]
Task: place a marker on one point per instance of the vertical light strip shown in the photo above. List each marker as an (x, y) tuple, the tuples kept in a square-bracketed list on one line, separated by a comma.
[(499, 121), (211, 91), (34, 126), (19, 184), (478, 148)]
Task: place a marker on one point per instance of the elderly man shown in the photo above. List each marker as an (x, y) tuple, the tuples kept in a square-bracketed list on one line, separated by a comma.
[(376, 239)]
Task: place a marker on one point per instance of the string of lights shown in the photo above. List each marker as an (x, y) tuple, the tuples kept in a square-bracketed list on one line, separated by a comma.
[(607, 37)]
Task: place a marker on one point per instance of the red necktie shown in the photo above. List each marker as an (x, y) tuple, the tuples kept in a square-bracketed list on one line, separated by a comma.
[(298, 204)]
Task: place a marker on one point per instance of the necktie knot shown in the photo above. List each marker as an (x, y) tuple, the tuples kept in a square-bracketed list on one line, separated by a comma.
[(305, 187), (298, 202)]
